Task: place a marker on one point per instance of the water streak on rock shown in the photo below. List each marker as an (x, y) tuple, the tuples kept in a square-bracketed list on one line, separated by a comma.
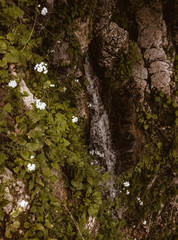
[(100, 135)]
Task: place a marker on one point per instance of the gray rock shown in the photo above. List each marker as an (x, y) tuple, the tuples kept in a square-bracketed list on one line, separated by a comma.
[(60, 53), (140, 75), (152, 38), (114, 39)]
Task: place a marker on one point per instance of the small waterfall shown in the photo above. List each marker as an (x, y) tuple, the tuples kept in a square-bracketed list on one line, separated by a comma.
[(100, 135)]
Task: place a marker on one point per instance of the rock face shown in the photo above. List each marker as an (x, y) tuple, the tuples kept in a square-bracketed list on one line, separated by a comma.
[(114, 40), (109, 38), (152, 39), (15, 192)]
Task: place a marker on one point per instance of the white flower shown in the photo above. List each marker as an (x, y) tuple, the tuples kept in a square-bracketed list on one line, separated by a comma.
[(31, 167), (144, 223), (126, 184), (52, 85), (40, 105), (44, 11), (127, 192), (141, 203), (89, 105), (39, 5), (64, 89), (31, 157), (41, 67), (23, 203), (74, 119), (76, 80), (12, 84)]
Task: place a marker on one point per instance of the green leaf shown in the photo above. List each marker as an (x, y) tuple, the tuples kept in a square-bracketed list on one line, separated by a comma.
[(34, 146), (26, 155), (3, 2), (7, 108), (55, 165), (15, 214), (26, 225), (90, 180), (10, 37), (47, 172), (31, 185), (8, 232), (3, 157), (77, 185), (16, 224), (3, 46), (65, 142), (13, 56), (53, 179), (92, 211), (13, 12), (48, 224), (39, 181), (3, 63)]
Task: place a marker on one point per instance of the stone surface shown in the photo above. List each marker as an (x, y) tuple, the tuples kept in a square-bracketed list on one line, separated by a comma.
[(82, 34), (114, 39), (30, 99), (140, 75), (15, 191), (152, 39), (60, 53)]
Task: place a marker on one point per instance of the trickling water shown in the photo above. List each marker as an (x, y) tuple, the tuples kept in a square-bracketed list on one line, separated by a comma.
[(100, 135)]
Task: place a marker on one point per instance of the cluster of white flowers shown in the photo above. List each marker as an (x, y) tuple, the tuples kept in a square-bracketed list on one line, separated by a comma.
[(44, 11), (126, 184), (140, 201), (40, 105), (52, 85), (23, 203), (92, 152), (31, 167), (41, 67), (91, 223), (12, 84), (99, 154), (74, 119)]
